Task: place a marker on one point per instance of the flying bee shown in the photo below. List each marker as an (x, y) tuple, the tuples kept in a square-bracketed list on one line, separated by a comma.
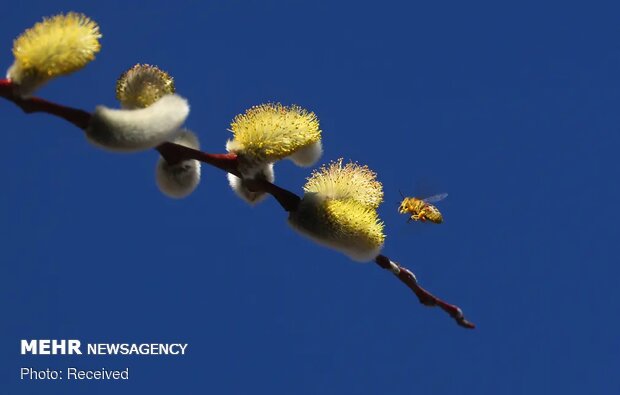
[(422, 209)]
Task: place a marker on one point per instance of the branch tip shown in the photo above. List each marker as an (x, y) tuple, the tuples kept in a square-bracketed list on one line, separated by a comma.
[(426, 298)]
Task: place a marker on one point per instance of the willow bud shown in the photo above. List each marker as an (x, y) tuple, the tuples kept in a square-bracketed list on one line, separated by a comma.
[(54, 47), (180, 179), (140, 129), (241, 188)]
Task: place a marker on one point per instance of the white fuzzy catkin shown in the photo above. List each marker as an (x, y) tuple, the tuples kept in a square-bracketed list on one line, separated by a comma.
[(238, 185), (308, 155), (139, 129), (181, 179)]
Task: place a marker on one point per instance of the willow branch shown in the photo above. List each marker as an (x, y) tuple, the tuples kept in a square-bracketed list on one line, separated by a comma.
[(426, 298), (175, 153)]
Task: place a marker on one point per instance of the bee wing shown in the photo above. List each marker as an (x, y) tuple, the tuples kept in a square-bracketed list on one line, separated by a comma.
[(435, 198)]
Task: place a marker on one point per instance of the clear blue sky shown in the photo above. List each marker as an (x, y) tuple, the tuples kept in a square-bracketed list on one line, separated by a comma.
[(511, 109)]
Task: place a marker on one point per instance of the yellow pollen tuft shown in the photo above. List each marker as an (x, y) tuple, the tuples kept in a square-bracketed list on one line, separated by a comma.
[(270, 132), (350, 181), (354, 224), (142, 85), (56, 46), (338, 210)]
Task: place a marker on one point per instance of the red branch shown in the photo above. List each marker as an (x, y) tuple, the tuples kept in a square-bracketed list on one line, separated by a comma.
[(174, 153), (426, 298)]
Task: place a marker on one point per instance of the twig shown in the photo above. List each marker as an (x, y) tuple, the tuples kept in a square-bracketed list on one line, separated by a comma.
[(425, 297), (174, 153)]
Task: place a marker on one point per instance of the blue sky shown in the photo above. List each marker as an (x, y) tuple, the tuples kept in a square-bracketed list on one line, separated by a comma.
[(511, 109)]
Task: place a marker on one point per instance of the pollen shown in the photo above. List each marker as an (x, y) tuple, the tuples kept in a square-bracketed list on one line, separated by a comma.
[(142, 85), (339, 210), (56, 46), (344, 225), (270, 132), (350, 181), (354, 224)]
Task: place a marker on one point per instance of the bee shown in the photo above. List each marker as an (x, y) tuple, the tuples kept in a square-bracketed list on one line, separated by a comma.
[(422, 209)]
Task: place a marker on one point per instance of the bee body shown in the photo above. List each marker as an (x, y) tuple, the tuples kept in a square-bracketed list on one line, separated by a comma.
[(421, 209)]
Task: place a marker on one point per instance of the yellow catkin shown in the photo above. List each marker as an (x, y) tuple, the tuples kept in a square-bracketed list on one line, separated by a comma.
[(344, 225), (270, 132), (56, 46), (142, 85), (353, 223), (351, 181), (338, 210)]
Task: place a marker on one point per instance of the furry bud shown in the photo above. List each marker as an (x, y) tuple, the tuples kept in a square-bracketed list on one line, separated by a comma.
[(180, 179), (137, 130), (239, 186)]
